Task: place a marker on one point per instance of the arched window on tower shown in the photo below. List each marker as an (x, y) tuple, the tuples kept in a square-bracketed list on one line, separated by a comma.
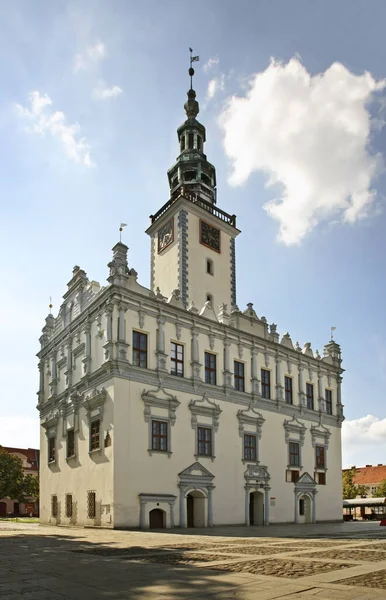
[(209, 266), (199, 143), (209, 298), (191, 141), (182, 143)]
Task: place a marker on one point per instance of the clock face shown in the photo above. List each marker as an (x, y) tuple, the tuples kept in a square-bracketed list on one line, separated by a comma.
[(165, 235), (210, 236)]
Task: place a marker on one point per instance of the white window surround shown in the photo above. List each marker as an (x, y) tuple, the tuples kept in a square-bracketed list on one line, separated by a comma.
[(204, 407), (50, 424), (250, 417), (160, 399), (94, 405), (295, 432), (320, 436)]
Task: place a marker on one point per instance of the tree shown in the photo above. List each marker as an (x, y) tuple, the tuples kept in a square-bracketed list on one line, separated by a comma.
[(349, 488), (13, 483), (380, 492), (11, 475), (362, 490)]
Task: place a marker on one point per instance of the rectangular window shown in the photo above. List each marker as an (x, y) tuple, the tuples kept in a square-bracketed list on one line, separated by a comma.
[(159, 436), (95, 428), (265, 383), (249, 447), (182, 143), (210, 368), (320, 457), (140, 349), (91, 505), (301, 507), (54, 506), (190, 140), (329, 402), (70, 443), (310, 396), (288, 390), (51, 449), (69, 505), (204, 441), (321, 478), (239, 376), (292, 476), (177, 359), (294, 454)]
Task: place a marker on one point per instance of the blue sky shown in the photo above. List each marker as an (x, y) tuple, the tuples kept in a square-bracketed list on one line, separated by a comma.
[(91, 146)]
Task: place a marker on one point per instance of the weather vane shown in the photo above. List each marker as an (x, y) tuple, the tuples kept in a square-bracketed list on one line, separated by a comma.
[(50, 306), (332, 333), (121, 229), (191, 70)]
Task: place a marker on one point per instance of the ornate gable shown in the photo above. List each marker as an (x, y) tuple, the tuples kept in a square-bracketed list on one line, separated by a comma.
[(195, 470), (250, 416), (207, 408), (293, 426), (320, 433), (159, 398)]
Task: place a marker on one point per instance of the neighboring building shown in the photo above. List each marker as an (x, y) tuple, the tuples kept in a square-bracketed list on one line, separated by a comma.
[(169, 406), (30, 461), (370, 477)]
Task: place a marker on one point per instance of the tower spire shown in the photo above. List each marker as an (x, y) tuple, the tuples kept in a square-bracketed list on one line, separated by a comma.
[(191, 70)]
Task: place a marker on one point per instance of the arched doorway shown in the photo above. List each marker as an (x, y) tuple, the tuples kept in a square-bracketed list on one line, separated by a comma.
[(3, 509), (256, 508), (305, 509), (196, 509), (157, 519)]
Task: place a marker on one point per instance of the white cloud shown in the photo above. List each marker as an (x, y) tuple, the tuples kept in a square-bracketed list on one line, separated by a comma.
[(90, 57), (215, 85), (19, 432), (44, 120), (103, 92), (310, 135), (364, 441), (211, 64)]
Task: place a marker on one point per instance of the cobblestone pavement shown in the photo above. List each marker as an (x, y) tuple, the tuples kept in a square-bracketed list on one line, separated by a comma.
[(335, 561)]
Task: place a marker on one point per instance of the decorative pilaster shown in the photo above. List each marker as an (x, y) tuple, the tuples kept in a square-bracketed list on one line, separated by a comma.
[(195, 364), (160, 352), (68, 373), (41, 382), (210, 508), (339, 405), (87, 351), (182, 507), (266, 505), (279, 384), (227, 372), (255, 383), (108, 347), (122, 345), (302, 396), (321, 400), (54, 380)]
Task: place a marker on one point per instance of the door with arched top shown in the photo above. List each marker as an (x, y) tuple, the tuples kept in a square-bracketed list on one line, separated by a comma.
[(3, 509), (157, 519)]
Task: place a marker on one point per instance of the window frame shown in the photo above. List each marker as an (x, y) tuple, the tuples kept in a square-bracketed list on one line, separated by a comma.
[(292, 475), (310, 398), (54, 506), (210, 370), (68, 446), (292, 454), (302, 507), (51, 451), (204, 428), (265, 385), (209, 267), (137, 351), (159, 436), (237, 378), (328, 402), (318, 463), (69, 506), (91, 514), (321, 475), (288, 390), (93, 436), (175, 361), (248, 447)]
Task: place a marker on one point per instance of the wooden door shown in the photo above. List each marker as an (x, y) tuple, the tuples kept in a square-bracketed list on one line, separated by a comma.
[(156, 518)]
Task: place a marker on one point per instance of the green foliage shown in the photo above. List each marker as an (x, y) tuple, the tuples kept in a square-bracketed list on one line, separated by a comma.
[(349, 488), (380, 492), (362, 490), (13, 483)]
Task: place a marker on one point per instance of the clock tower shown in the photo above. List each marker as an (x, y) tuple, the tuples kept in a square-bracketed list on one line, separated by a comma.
[(192, 240)]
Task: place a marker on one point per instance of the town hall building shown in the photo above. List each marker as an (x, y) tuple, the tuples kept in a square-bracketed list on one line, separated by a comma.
[(170, 406)]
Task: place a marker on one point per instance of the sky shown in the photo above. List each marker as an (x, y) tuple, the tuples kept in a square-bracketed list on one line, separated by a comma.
[(293, 97)]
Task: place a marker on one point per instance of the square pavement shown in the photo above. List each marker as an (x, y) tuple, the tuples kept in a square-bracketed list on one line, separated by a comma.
[(324, 561)]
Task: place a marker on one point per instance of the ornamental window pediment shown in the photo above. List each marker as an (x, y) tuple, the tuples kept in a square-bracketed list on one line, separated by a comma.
[(160, 414), (205, 407), (320, 434), (94, 403), (294, 429), (250, 420)]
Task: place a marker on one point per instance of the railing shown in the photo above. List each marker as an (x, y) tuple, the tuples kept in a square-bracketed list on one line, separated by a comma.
[(194, 199)]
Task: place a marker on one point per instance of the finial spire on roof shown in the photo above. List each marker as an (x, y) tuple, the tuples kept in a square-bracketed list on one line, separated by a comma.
[(50, 306), (191, 70)]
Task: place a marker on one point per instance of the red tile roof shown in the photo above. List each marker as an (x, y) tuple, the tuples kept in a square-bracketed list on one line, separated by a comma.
[(370, 474), (31, 454)]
